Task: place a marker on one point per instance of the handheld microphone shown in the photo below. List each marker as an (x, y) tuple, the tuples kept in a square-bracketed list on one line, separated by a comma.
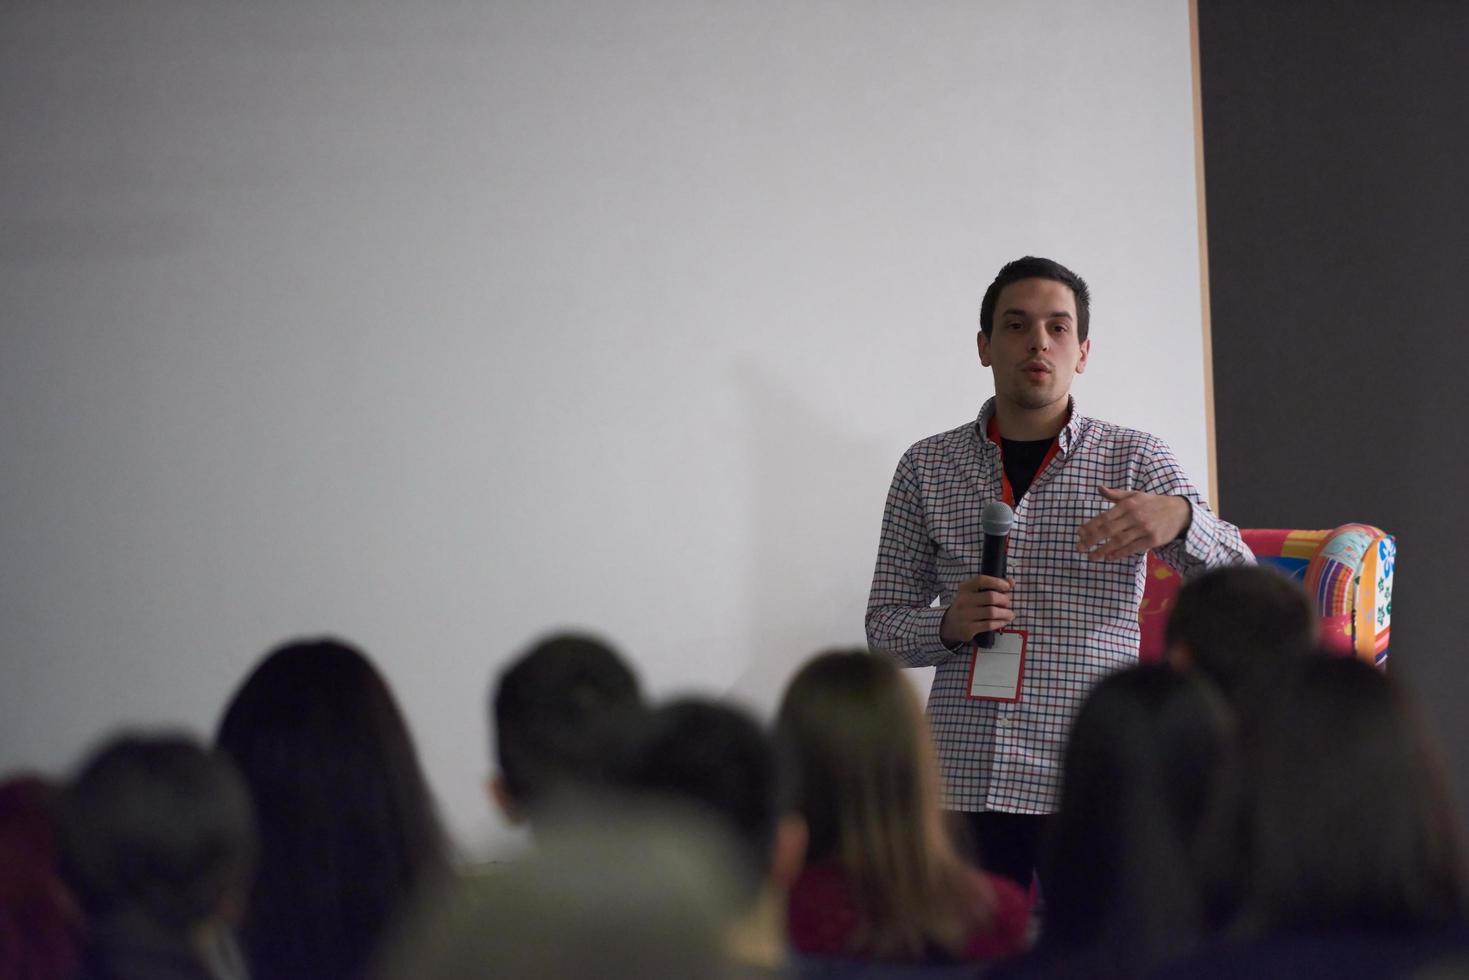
[(996, 518)]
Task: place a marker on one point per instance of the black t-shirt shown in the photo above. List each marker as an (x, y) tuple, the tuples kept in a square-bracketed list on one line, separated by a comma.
[(1023, 459)]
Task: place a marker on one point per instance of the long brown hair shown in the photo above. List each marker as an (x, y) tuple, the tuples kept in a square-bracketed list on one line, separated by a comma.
[(868, 786), (1345, 809)]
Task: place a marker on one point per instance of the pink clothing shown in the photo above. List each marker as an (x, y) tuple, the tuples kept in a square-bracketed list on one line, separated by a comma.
[(823, 918)]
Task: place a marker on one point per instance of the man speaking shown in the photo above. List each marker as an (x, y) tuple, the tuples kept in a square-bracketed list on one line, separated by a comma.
[(1090, 499)]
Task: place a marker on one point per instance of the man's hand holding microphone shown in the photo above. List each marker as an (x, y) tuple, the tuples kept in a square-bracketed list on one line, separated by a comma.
[(981, 605)]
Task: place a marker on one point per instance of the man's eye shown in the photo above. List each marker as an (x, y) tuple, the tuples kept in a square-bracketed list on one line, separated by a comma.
[(1014, 325), (1060, 327)]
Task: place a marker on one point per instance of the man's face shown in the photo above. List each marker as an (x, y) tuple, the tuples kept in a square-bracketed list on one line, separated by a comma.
[(1033, 350)]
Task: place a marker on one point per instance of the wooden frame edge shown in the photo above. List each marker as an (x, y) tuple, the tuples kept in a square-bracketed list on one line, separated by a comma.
[(1205, 319)]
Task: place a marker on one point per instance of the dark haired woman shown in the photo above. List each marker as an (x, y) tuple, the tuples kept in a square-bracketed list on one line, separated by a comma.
[(1345, 848), (348, 832), (883, 880), (1118, 863)]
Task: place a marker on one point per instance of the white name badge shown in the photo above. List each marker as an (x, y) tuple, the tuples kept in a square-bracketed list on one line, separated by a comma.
[(995, 674)]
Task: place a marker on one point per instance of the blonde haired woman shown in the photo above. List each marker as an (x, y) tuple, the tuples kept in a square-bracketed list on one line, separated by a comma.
[(883, 880)]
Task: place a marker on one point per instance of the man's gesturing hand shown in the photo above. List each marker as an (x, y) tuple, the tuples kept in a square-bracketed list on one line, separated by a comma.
[(1134, 523), (981, 603)]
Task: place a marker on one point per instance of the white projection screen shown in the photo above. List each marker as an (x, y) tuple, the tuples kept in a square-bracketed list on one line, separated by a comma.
[(440, 325)]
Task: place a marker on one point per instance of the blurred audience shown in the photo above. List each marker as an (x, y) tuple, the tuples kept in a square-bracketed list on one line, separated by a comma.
[(1119, 858), (1241, 628), (883, 880), (560, 715), (348, 831), (718, 762), (157, 842), (1339, 836), (1250, 809), (40, 924)]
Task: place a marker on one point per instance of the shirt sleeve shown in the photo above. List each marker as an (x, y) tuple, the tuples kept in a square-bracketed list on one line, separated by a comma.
[(900, 619), (1208, 542)]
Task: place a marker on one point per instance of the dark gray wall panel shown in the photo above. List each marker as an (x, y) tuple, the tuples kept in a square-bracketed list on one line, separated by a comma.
[(1336, 137)]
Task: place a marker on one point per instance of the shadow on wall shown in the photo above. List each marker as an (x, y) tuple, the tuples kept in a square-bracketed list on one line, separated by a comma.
[(817, 496)]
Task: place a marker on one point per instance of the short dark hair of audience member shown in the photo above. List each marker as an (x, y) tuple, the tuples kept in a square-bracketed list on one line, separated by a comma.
[(157, 844), (1118, 861), (717, 760), (1031, 267), (868, 787), (633, 896), (561, 715), (1239, 627), (348, 831), (1345, 811), (40, 925)]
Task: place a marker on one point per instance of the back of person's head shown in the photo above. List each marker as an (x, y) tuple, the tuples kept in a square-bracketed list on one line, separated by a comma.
[(1240, 627), (638, 895), (561, 715), (868, 786), (1031, 267), (156, 829), (348, 829), (717, 760), (1117, 866), (1345, 813), (39, 923)]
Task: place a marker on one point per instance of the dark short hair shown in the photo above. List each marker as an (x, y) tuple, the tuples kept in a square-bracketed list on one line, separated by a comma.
[(348, 830), (1344, 809), (717, 760), (157, 825), (561, 715), (1141, 764), (1242, 626), (1031, 267)]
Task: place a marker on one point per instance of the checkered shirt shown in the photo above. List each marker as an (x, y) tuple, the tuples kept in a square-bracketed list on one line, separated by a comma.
[(1080, 615)]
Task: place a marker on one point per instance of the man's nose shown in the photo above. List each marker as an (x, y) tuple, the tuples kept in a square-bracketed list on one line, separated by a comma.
[(1039, 338)]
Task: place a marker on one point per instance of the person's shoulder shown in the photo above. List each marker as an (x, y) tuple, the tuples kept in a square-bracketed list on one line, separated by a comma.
[(962, 433), (942, 449), (1103, 434)]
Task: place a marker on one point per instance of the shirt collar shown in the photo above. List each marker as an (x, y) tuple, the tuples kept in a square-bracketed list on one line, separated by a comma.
[(1067, 436)]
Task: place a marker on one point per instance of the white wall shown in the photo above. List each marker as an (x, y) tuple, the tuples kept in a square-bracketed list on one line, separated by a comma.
[(438, 325)]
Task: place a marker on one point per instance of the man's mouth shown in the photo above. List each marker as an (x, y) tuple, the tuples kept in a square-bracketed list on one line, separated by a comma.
[(1036, 370)]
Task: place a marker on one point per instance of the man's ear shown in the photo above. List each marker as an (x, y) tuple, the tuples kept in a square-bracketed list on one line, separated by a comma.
[(1086, 350), (983, 342), (788, 856), (502, 799)]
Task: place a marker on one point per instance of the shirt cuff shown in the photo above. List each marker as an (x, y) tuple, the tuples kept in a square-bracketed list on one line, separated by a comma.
[(958, 649), (1198, 538)]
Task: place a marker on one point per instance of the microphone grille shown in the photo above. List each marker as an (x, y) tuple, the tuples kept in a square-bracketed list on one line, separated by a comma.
[(997, 518)]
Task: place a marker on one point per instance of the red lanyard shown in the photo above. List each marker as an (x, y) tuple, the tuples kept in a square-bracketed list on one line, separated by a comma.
[(993, 432)]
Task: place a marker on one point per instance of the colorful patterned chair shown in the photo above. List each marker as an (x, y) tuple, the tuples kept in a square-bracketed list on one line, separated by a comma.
[(1347, 571)]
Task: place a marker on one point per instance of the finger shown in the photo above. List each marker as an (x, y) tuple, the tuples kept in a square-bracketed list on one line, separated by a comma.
[(976, 626), (1089, 533), (1115, 494), (1102, 527), (988, 583), (981, 605), (983, 583), (997, 600), (1123, 548)]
